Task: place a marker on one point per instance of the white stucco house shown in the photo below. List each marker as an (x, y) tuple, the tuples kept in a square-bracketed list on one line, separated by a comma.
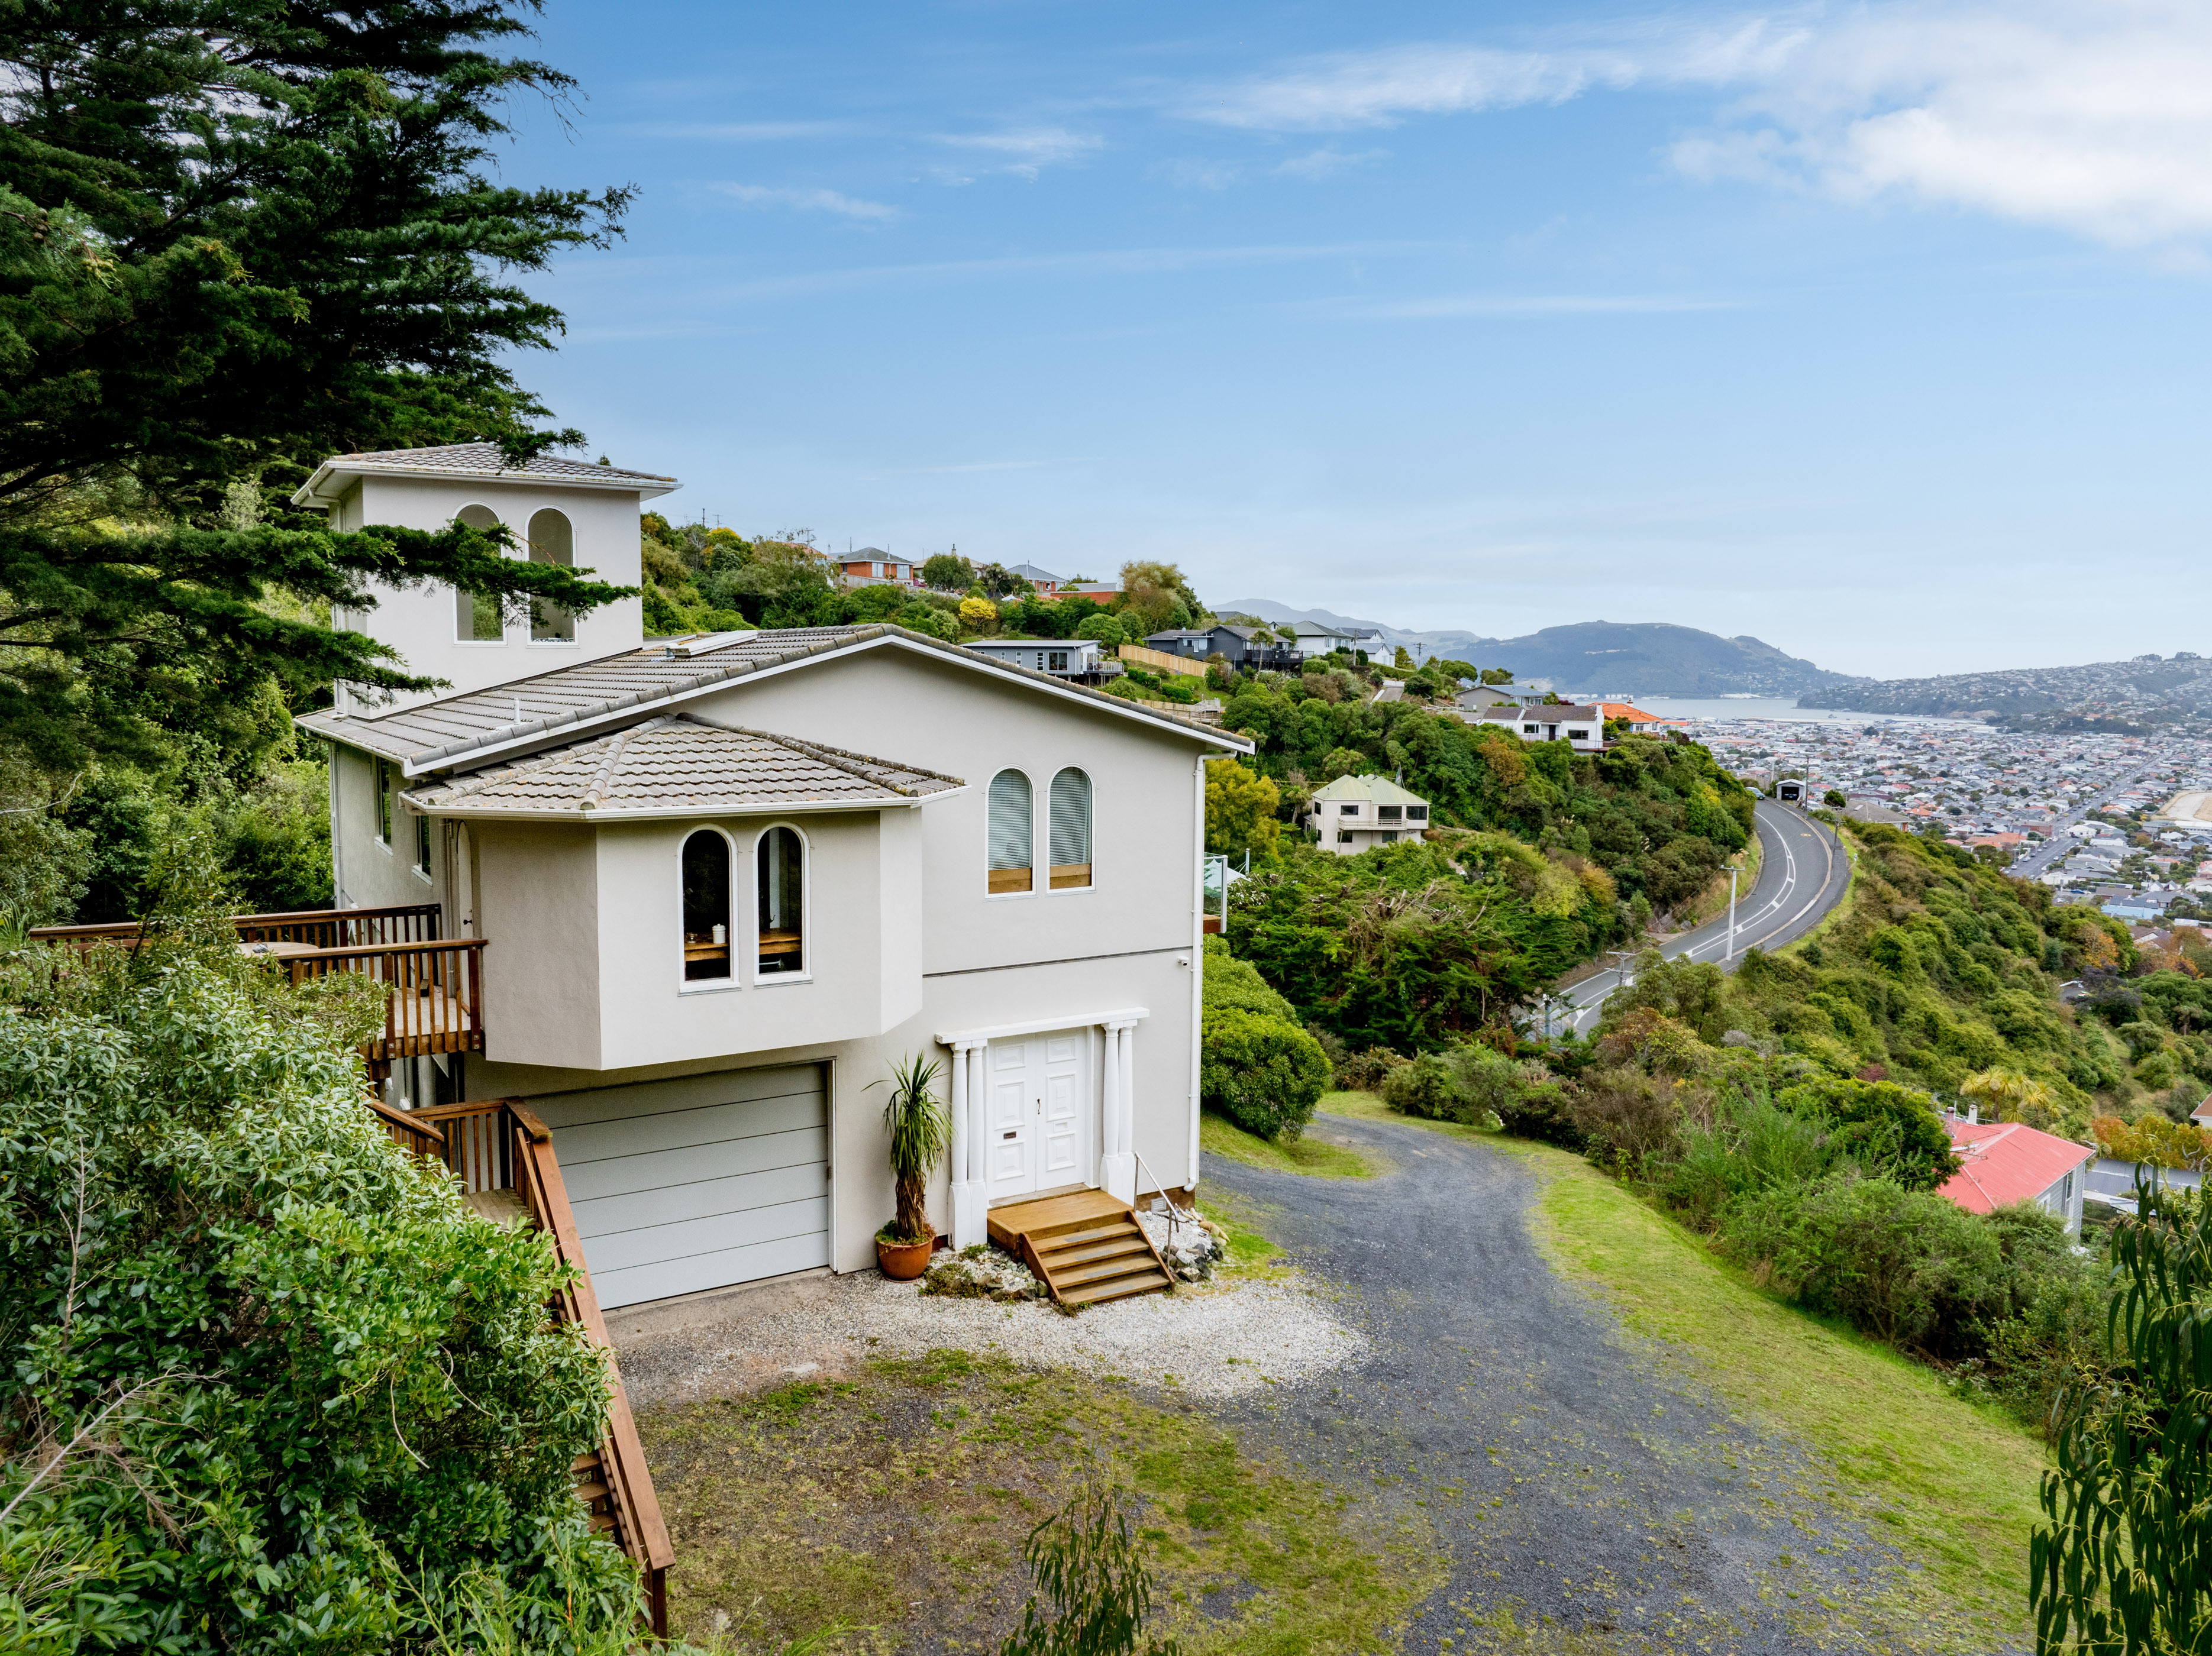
[(724, 883), (1355, 813), (1582, 728)]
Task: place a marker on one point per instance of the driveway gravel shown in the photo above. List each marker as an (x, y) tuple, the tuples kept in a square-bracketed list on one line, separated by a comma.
[(1579, 1479)]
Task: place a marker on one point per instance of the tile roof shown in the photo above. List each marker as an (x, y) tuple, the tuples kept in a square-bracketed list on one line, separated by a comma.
[(2003, 1161), (483, 460), (566, 703), (676, 766)]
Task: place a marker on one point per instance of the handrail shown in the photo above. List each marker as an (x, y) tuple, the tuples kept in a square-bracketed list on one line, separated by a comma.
[(286, 920), (1158, 1190), (398, 1121), (351, 949)]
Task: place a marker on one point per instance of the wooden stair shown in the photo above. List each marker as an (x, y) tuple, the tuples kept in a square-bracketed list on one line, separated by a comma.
[(1086, 1248)]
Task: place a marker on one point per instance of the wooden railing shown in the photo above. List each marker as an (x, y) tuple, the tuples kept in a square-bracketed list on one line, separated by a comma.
[(436, 1002), (500, 1147), (317, 928)]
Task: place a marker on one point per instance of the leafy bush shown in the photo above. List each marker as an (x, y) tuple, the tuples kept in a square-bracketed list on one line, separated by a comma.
[(1366, 1071), (308, 1398), (1266, 1074), (1886, 1128), (1626, 1116), (1425, 1087), (1477, 1085)]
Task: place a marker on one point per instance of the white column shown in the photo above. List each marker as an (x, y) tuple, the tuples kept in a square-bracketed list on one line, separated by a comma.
[(969, 1205), (1117, 1165)]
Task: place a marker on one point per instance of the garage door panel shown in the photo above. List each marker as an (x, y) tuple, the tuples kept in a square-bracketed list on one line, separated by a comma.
[(683, 1093), (626, 1250), (703, 1199), (691, 1163), (706, 1270), (672, 1129)]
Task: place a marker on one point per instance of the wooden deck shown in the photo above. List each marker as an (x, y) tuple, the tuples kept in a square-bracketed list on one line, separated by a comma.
[(1085, 1248)]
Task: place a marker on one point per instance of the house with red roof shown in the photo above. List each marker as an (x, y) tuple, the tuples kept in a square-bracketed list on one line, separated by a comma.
[(2001, 1162), (1638, 720)]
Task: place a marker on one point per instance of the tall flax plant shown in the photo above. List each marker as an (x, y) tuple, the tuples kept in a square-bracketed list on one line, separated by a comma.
[(921, 1131), (2120, 1567)]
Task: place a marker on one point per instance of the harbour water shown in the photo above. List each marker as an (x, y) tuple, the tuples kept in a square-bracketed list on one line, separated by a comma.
[(1785, 708)]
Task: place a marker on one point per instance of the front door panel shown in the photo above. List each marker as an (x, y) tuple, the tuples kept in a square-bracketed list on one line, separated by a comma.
[(1061, 1084), (1013, 1117)]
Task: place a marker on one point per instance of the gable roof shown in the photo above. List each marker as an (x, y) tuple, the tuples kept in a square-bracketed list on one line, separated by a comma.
[(1380, 790), (473, 462), (2002, 1162), (1633, 714), (676, 766), (591, 697)]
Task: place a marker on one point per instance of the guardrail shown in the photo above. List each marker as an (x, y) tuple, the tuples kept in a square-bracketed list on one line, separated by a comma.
[(317, 928), (436, 999), (499, 1147)]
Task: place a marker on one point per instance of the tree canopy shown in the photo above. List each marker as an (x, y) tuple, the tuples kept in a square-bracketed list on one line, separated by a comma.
[(234, 240)]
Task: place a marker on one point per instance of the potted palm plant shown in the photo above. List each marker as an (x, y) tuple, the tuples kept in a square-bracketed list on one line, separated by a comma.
[(919, 1133)]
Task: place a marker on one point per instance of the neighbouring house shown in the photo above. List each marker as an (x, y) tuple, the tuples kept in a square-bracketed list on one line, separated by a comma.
[(708, 891), (1049, 586), (1355, 813), (1583, 727), (1196, 642), (1634, 717), (1236, 644), (2137, 906), (1315, 640), (563, 512), (2001, 1162), (873, 566), (1063, 658)]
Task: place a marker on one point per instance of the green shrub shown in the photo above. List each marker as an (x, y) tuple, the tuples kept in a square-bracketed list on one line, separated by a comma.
[(1426, 1087), (1886, 1129), (1747, 1143), (315, 1401), (1264, 1073), (1626, 1116)]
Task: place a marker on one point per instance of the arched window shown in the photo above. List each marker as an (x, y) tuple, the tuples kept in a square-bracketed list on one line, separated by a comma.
[(1071, 830), (476, 619), (551, 541), (781, 860), (1011, 853), (706, 906)]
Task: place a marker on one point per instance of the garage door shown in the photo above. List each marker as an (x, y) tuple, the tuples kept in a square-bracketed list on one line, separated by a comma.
[(680, 1185)]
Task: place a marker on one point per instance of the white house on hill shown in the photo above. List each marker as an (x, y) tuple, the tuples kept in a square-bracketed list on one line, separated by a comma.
[(725, 883), (1355, 813)]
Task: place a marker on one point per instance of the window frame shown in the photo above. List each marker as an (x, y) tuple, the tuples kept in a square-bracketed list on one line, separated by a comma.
[(1029, 782), (425, 852), (529, 550), (754, 975), (685, 985), (472, 642), (1091, 833), (385, 804)]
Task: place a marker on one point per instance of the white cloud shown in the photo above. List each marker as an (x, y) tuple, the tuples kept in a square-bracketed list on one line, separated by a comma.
[(1023, 151), (1507, 306), (809, 201), (1328, 161), (2094, 116)]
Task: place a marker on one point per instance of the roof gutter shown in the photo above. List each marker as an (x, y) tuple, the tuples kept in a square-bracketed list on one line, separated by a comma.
[(658, 814), (314, 492)]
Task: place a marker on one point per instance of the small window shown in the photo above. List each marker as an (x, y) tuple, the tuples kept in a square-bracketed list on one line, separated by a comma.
[(1344, 836), (1347, 810), (384, 790), (1387, 813), (1010, 860), (1389, 836), (1056, 662), (1580, 735), (780, 861), (1417, 813), (421, 844), (1071, 831), (706, 906), (1528, 729), (476, 619), (551, 541)]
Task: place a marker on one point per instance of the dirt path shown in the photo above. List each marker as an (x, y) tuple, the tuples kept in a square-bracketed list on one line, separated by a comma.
[(1581, 1483)]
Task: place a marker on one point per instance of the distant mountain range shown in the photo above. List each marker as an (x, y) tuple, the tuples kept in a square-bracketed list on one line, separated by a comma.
[(1608, 657), (2131, 695)]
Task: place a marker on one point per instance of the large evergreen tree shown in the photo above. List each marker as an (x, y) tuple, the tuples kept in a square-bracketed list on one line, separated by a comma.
[(237, 236)]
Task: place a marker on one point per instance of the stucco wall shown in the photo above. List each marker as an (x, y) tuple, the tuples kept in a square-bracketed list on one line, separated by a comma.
[(538, 902), (371, 874), (420, 622)]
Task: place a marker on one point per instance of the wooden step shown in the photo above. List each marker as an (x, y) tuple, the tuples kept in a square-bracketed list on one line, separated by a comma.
[(1126, 1265), (1063, 1258), (1150, 1281), (1046, 1241)]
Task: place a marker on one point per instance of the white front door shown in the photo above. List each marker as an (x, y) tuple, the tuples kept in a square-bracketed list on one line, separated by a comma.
[(1040, 1109)]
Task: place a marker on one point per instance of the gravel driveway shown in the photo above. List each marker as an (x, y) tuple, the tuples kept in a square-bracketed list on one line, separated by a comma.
[(1572, 1475)]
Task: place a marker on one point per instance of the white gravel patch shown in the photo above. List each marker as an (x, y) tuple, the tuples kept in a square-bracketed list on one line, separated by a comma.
[(1224, 1341)]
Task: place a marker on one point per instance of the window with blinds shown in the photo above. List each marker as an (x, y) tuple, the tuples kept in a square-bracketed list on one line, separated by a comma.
[(782, 862), (1071, 830), (1011, 861)]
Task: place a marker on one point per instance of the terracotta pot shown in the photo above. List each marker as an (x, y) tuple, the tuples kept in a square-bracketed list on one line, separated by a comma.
[(903, 1261)]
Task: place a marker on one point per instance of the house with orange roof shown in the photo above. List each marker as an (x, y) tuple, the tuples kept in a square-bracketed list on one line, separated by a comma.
[(1638, 720), (2001, 1162)]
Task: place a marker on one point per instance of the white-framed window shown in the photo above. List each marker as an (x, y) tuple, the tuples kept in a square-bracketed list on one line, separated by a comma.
[(1347, 810), (1056, 661), (1387, 813), (705, 871), (551, 541), (421, 844), (1417, 813), (1068, 826), (1527, 730), (1578, 735), (385, 787), (1010, 834), (477, 618), (780, 877)]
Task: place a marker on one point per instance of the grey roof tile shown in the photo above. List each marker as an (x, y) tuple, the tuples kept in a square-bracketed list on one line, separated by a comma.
[(677, 766), (486, 458)]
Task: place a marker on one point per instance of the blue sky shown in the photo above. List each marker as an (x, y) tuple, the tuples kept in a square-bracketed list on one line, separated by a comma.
[(1878, 332)]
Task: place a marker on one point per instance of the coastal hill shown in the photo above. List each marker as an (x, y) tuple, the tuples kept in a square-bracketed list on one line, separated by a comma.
[(1604, 657)]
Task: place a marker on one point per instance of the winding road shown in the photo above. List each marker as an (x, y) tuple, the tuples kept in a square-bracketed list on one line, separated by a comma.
[(1803, 876)]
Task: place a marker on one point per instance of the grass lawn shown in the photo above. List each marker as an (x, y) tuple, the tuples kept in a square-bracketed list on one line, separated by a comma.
[(1311, 1153), (892, 1510), (1951, 1483)]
